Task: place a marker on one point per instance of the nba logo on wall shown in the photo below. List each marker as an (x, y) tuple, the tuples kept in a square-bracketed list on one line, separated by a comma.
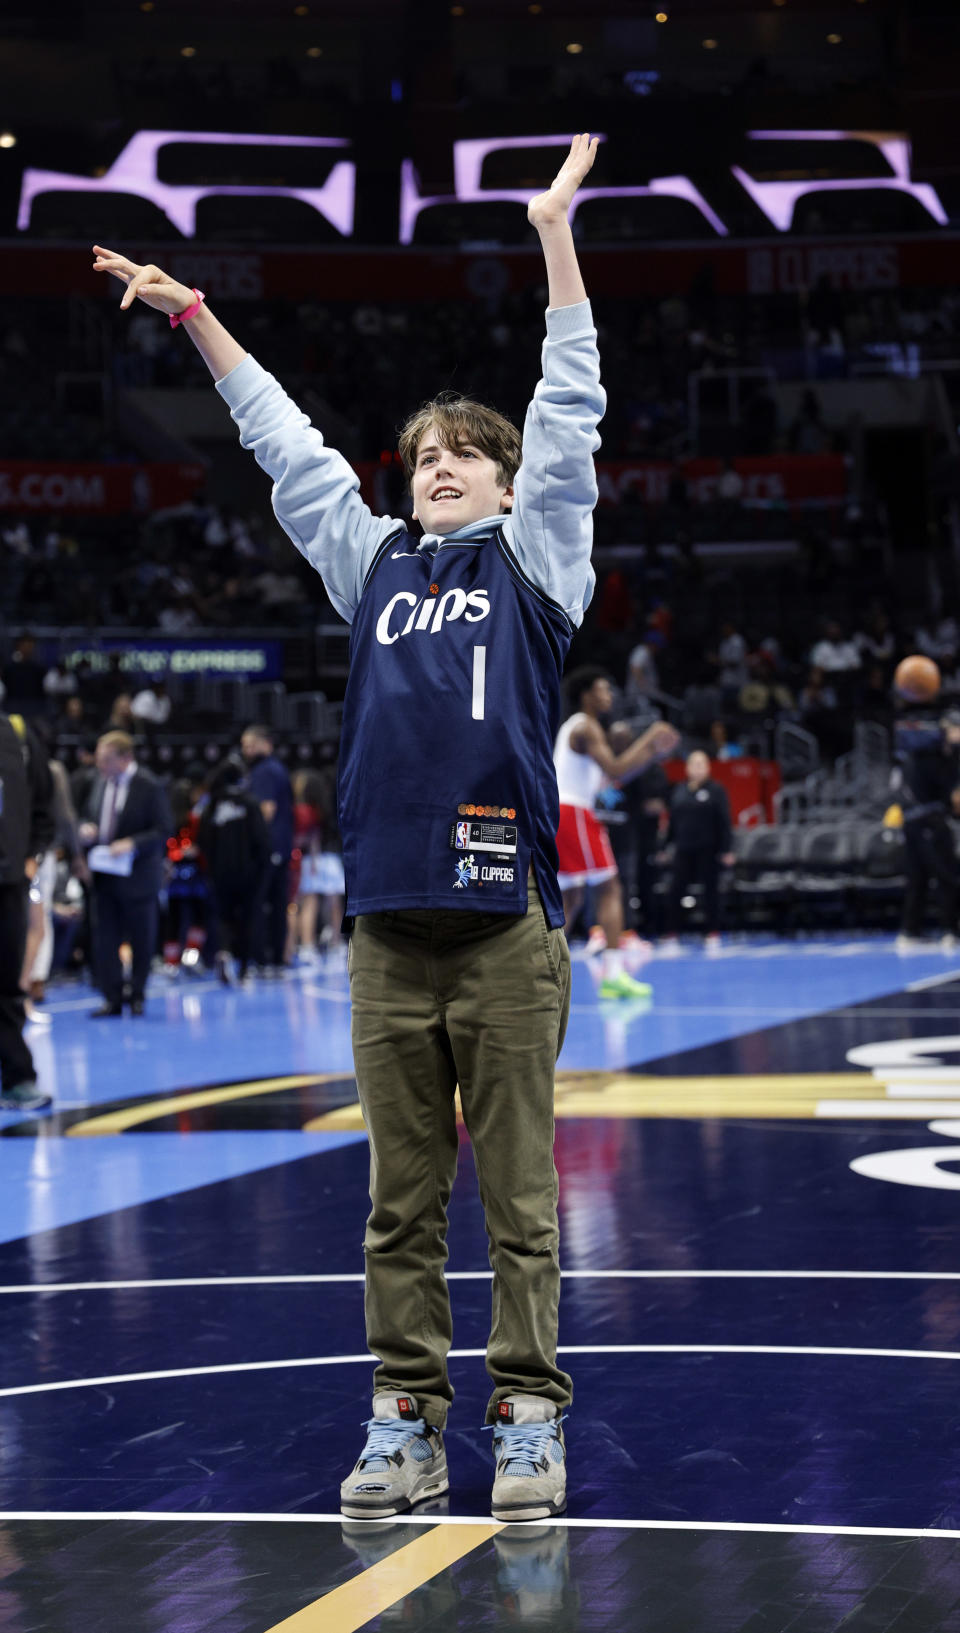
[(463, 836)]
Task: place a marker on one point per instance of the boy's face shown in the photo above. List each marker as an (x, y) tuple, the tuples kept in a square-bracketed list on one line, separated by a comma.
[(451, 489)]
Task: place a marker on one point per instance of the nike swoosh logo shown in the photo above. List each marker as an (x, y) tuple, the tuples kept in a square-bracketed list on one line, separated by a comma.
[(398, 555)]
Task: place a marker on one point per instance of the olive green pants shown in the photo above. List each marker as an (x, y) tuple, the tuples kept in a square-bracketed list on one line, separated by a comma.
[(480, 1000)]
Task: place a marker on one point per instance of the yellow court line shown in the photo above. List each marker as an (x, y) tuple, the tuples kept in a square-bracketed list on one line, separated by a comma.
[(603, 1094), (354, 1603), (147, 1111)]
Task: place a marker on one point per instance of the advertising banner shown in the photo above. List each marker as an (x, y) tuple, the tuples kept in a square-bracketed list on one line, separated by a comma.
[(159, 658), (81, 488)]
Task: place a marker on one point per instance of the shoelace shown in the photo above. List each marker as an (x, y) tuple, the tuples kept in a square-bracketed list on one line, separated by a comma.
[(524, 1444), (386, 1437)]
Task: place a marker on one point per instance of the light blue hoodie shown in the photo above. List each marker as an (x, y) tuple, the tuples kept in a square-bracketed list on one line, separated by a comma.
[(316, 493)]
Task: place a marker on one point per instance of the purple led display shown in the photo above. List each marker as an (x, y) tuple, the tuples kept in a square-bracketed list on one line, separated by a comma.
[(134, 170), (468, 157), (778, 199)]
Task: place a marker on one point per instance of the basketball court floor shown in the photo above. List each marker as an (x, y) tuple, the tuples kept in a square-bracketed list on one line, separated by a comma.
[(760, 1195)]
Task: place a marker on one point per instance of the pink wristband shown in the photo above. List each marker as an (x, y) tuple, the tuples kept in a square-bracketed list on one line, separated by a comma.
[(176, 318)]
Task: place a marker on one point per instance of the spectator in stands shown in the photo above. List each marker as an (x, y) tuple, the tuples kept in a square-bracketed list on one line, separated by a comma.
[(126, 824), (642, 679), (234, 842), (23, 679), (151, 706), (178, 616), (765, 696), (731, 658), (699, 838), (721, 747), (269, 782), (121, 716), (59, 684), (72, 719), (876, 641), (835, 653)]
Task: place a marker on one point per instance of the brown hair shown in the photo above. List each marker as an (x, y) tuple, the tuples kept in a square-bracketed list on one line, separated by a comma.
[(461, 421)]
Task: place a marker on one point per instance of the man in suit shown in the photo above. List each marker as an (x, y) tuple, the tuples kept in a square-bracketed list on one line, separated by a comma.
[(127, 815), (26, 830)]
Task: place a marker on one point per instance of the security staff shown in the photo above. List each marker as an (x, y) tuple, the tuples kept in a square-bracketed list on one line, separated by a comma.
[(26, 831)]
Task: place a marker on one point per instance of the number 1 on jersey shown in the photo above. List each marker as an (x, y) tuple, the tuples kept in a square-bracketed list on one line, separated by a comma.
[(479, 680)]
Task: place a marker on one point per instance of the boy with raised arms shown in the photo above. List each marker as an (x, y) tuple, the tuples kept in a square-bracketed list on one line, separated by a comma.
[(459, 970)]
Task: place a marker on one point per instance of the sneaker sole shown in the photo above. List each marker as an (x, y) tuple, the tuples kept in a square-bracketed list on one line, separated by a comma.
[(390, 1506), (530, 1511)]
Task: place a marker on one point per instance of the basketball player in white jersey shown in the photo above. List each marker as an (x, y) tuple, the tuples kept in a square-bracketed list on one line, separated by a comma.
[(585, 762)]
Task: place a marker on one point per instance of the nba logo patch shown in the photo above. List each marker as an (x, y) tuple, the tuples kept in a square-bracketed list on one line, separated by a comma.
[(463, 836)]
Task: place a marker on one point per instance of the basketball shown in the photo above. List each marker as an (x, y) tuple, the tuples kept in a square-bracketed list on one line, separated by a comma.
[(917, 679)]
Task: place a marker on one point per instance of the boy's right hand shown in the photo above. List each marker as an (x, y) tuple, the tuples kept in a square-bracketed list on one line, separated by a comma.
[(146, 283)]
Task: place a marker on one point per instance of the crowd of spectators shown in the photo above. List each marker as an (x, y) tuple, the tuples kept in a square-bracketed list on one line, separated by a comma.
[(747, 680)]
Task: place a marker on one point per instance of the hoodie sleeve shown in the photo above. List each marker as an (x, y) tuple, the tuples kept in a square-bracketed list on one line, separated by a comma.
[(550, 530), (316, 493)]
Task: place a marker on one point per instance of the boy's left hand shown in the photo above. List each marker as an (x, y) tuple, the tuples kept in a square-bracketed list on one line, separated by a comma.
[(549, 208)]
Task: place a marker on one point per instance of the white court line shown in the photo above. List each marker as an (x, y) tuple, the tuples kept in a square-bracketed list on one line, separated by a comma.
[(933, 981), (487, 1275), (176, 1517), (905, 1110), (480, 1354)]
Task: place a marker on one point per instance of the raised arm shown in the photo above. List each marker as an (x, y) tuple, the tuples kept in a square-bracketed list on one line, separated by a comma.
[(316, 493), (656, 743), (551, 527), (548, 213), (216, 345)]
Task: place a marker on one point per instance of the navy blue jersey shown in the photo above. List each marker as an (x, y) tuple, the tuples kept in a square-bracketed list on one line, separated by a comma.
[(448, 793)]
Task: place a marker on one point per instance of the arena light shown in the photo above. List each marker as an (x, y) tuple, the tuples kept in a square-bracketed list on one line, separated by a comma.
[(574, 48), (7, 139)]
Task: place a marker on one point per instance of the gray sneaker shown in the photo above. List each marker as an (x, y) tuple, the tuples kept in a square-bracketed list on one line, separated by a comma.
[(24, 1097), (402, 1463), (531, 1478)]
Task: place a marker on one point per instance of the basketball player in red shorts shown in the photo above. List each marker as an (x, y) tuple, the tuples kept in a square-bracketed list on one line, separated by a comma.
[(585, 762)]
